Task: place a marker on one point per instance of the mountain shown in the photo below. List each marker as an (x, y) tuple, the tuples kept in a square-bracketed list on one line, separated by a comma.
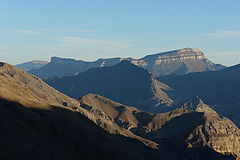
[(189, 132), (59, 67), (125, 83), (38, 122), (27, 66), (220, 89), (177, 62)]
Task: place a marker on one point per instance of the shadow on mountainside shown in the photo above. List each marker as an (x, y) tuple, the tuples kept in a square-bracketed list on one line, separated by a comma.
[(62, 134), (28, 133)]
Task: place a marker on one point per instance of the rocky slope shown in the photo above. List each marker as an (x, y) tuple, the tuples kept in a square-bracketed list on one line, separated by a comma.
[(180, 134), (27, 66), (36, 124), (178, 62), (124, 83)]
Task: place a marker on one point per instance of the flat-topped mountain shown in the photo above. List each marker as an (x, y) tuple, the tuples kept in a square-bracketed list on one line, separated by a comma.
[(177, 62), (175, 56), (125, 83), (36, 64)]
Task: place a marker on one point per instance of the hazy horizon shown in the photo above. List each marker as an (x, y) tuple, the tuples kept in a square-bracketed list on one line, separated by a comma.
[(89, 30)]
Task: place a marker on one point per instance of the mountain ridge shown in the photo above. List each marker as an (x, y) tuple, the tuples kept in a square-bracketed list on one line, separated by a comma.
[(203, 130), (47, 129), (126, 83), (178, 62)]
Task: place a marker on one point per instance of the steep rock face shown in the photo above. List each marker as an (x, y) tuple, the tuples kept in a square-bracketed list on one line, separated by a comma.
[(221, 134), (177, 62), (125, 83)]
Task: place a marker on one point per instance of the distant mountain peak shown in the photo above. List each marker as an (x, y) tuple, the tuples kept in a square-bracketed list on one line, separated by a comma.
[(175, 56), (35, 64)]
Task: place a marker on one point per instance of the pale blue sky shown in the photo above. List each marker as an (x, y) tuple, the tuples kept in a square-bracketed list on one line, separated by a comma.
[(93, 29)]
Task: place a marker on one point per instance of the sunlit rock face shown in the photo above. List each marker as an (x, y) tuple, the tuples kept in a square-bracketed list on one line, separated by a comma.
[(177, 62), (175, 56), (219, 133)]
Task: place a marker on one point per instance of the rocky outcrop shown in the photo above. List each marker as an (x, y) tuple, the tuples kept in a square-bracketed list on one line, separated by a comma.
[(188, 127), (177, 62), (170, 57), (220, 134)]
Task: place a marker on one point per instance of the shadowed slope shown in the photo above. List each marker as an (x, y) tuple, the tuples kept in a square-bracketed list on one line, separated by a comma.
[(60, 134), (35, 124), (182, 133), (36, 128), (219, 88), (124, 83)]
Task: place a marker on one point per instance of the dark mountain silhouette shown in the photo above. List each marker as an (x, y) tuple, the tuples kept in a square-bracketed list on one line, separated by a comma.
[(176, 62), (124, 83), (220, 89), (59, 67)]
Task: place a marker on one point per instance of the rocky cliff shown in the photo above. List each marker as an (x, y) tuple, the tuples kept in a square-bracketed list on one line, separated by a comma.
[(177, 62), (171, 57)]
